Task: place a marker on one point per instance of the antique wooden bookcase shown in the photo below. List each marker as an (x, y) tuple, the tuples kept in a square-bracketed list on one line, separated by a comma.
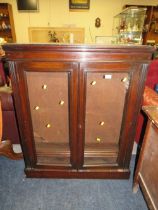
[(77, 107)]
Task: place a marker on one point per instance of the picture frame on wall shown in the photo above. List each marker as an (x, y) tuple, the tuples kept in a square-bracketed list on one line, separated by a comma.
[(79, 4)]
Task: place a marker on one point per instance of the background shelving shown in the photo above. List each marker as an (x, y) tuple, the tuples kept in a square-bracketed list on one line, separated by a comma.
[(7, 29)]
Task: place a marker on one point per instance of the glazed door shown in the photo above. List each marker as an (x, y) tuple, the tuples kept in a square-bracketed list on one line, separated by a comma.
[(49, 110), (104, 91)]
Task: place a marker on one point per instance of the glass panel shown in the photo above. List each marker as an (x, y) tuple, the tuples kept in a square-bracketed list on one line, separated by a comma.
[(128, 25), (105, 96), (48, 96)]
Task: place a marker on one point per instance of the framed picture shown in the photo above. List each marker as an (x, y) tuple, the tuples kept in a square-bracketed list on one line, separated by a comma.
[(79, 4)]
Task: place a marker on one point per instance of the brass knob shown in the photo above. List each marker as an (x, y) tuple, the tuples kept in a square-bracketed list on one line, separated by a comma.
[(44, 87), (61, 102), (125, 79), (93, 82), (48, 125), (36, 108), (101, 123), (98, 139)]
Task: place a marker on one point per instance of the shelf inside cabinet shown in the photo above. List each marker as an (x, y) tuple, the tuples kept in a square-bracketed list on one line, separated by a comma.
[(50, 153), (130, 32), (100, 154)]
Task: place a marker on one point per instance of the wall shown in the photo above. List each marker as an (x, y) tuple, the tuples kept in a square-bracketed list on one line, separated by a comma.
[(56, 13)]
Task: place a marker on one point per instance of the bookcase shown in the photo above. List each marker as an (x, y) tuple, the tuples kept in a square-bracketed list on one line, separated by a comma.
[(77, 107), (7, 29)]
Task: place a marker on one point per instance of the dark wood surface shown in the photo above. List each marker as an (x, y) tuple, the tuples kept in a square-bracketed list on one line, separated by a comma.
[(6, 150), (88, 151), (146, 174)]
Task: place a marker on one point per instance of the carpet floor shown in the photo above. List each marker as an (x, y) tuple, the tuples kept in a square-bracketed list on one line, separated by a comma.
[(20, 193)]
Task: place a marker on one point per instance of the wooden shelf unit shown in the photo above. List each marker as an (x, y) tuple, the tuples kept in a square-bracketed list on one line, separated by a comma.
[(77, 107), (7, 29)]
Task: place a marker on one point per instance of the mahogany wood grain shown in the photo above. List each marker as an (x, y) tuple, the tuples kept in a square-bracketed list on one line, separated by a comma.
[(146, 174), (83, 160)]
